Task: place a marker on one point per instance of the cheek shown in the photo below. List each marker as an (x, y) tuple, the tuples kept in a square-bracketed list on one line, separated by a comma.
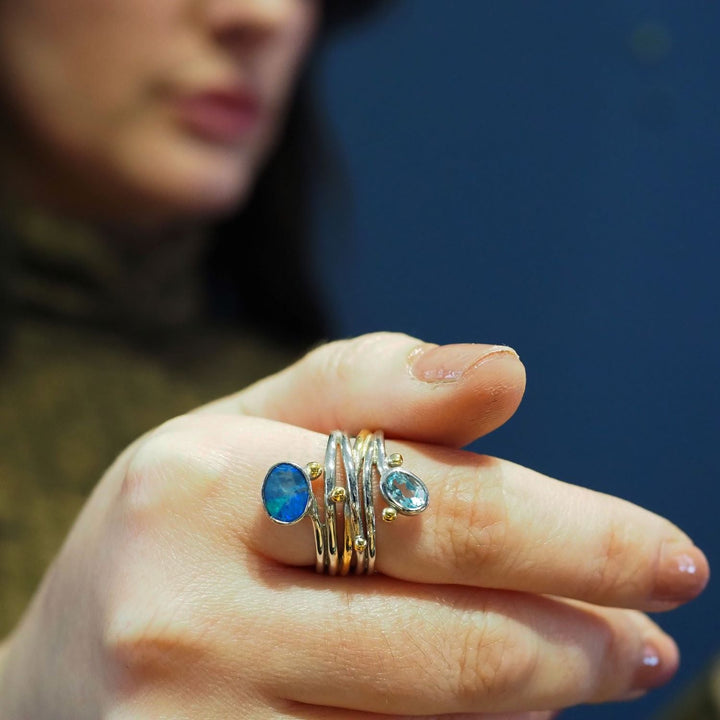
[(72, 69), (289, 51)]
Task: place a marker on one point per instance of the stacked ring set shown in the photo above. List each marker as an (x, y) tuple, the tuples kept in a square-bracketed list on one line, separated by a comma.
[(344, 535)]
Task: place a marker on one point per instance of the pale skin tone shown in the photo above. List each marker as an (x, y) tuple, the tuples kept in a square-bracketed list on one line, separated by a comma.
[(94, 87), (174, 596)]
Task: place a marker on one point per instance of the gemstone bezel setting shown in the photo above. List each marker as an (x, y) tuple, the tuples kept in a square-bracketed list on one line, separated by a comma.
[(287, 500), (396, 499)]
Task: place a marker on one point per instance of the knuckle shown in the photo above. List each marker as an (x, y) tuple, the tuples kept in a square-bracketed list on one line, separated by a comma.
[(497, 662), (610, 570), (164, 468), (475, 516), (341, 359), (147, 472)]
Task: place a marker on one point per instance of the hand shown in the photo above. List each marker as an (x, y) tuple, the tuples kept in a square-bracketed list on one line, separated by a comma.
[(175, 597)]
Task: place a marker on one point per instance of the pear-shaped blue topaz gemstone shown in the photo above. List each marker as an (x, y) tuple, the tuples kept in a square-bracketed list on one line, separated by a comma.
[(405, 492), (286, 493)]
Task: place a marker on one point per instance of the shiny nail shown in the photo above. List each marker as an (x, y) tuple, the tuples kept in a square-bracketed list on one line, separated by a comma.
[(449, 363), (683, 572), (658, 663)]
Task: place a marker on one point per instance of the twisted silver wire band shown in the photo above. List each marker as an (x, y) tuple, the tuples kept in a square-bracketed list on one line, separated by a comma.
[(363, 457), (337, 440), (355, 454), (367, 458), (369, 462), (318, 537), (360, 526)]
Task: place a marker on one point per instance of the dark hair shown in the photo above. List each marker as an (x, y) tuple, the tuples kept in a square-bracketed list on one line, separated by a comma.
[(258, 268)]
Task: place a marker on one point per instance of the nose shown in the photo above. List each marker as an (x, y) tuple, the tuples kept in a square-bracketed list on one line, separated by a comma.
[(247, 20)]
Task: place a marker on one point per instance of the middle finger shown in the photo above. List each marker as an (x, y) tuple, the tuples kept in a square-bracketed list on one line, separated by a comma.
[(392, 647)]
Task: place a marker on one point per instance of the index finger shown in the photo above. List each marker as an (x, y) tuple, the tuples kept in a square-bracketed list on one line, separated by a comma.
[(490, 523), (496, 524)]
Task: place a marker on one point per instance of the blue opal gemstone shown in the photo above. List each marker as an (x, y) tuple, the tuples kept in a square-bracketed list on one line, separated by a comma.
[(286, 493), (405, 492)]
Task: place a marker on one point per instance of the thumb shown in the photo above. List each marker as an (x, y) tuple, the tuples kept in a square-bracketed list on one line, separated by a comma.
[(449, 394)]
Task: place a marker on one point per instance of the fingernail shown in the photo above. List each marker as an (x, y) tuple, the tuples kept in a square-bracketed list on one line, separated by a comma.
[(683, 572), (448, 363), (658, 663)]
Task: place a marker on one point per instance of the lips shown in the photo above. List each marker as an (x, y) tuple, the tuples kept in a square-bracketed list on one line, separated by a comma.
[(221, 116)]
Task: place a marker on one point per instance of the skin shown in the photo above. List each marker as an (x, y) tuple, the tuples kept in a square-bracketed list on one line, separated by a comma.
[(91, 89), (174, 596)]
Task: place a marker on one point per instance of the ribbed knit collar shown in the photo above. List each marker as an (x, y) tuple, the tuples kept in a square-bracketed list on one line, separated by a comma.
[(117, 279)]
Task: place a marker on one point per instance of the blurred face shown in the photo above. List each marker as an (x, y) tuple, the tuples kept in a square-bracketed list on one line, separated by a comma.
[(146, 109)]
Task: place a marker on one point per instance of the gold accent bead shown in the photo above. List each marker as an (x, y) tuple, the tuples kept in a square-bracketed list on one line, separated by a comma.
[(315, 470), (360, 544), (389, 514), (338, 494), (395, 460)]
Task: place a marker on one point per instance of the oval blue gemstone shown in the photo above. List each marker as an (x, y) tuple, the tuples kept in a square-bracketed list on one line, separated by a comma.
[(405, 492), (286, 493)]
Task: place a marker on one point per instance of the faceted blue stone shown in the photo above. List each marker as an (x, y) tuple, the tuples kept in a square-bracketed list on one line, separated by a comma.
[(286, 493), (405, 492)]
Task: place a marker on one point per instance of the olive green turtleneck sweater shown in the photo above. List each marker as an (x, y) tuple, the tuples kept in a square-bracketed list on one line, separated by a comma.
[(104, 338)]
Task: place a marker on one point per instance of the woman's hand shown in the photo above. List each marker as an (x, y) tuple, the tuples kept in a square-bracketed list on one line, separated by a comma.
[(175, 596)]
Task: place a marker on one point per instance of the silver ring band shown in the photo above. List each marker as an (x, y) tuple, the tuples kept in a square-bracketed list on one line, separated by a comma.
[(288, 497)]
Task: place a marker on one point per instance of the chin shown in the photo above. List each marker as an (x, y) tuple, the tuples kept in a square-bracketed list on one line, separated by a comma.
[(209, 195), (197, 183)]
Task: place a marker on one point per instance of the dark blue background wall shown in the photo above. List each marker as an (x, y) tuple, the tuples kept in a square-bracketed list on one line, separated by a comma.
[(547, 175)]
